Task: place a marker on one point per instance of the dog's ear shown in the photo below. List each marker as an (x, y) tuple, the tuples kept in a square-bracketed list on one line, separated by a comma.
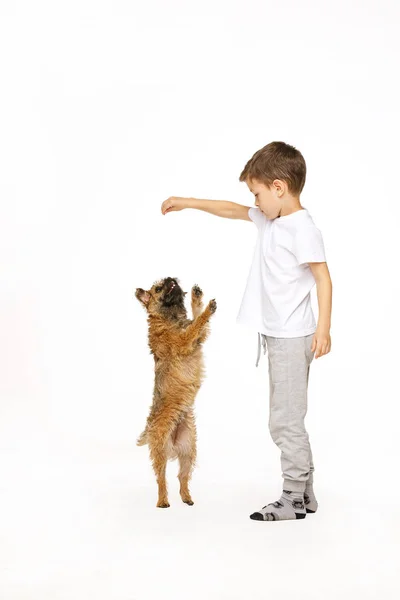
[(142, 296)]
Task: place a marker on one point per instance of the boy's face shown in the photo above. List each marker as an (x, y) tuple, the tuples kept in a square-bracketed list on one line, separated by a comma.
[(268, 200)]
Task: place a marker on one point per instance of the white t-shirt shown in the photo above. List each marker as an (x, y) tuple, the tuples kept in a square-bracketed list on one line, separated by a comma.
[(277, 300)]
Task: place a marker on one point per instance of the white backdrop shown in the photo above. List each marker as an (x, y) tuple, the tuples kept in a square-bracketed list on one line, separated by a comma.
[(107, 109)]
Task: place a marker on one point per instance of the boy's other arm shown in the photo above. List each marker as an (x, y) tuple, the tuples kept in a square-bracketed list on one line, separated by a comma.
[(322, 339), (220, 208)]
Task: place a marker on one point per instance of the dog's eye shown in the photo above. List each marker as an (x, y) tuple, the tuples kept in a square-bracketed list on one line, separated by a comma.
[(158, 289)]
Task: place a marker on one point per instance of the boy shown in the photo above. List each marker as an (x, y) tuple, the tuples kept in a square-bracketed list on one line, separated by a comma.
[(289, 259)]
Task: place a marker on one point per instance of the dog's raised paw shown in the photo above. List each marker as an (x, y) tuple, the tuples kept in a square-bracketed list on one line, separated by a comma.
[(212, 305), (196, 291), (189, 502), (163, 505)]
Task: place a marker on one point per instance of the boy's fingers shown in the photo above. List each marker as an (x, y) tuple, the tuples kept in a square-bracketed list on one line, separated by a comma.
[(166, 206), (322, 349)]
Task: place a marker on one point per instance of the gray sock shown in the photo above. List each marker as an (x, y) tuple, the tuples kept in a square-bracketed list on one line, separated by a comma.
[(310, 500), (289, 506)]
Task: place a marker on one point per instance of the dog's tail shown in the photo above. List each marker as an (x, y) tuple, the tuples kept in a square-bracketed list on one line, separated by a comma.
[(142, 439)]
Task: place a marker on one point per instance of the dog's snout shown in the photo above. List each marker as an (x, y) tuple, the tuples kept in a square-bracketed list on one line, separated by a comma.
[(171, 282)]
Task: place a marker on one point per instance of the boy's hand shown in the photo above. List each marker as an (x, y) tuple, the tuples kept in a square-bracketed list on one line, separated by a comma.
[(321, 343), (174, 203)]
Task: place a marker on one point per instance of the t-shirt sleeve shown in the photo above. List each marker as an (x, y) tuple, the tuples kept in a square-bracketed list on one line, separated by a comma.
[(308, 245), (257, 216)]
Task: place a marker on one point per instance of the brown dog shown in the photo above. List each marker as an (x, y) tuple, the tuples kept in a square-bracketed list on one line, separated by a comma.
[(175, 342)]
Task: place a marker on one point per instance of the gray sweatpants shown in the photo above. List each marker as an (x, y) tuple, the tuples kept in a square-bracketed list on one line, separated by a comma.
[(289, 362)]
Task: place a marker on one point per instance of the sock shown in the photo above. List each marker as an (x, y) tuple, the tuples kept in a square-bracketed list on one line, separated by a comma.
[(289, 506), (310, 500)]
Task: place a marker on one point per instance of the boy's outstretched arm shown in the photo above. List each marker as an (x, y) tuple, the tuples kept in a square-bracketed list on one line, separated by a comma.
[(220, 208), (322, 339)]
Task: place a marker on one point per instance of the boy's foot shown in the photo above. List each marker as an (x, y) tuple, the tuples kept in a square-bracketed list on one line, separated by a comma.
[(310, 501), (289, 506)]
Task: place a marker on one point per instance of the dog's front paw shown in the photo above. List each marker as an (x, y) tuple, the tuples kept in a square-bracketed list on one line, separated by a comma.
[(197, 293), (212, 305)]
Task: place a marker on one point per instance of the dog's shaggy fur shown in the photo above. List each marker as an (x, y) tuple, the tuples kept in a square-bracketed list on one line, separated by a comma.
[(175, 342)]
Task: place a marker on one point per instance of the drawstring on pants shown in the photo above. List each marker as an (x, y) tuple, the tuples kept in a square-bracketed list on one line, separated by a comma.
[(262, 339)]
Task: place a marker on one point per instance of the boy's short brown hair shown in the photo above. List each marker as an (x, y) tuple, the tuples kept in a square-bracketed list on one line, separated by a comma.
[(277, 160)]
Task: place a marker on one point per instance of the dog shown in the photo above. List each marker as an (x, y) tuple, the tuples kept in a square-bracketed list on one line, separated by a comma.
[(176, 344)]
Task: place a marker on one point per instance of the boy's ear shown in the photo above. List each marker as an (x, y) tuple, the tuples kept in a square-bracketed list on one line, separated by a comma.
[(142, 296)]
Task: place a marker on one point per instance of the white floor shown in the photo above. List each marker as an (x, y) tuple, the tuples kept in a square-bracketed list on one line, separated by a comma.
[(78, 521)]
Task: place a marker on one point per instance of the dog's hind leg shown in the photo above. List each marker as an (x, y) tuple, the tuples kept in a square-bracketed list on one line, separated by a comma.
[(159, 459), (158, 438), (185, 447)]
